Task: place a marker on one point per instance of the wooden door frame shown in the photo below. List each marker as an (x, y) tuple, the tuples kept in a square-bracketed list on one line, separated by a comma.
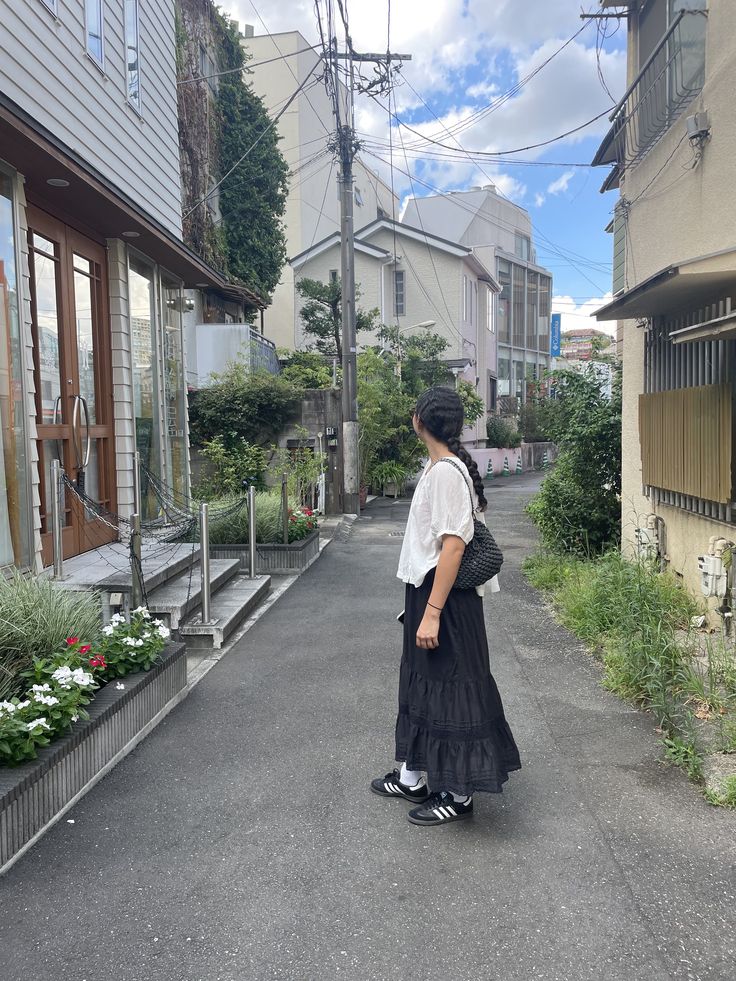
[(78, 535)]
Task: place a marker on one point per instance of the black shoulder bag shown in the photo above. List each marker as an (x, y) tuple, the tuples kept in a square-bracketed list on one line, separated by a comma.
[(482, 558)]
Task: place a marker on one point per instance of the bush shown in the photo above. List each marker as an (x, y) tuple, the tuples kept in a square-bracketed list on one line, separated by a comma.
[(532, 421), (501, 435), (36, 617), (306, 369), (578, 508), (229, 468), (242, 405), (232, 529)]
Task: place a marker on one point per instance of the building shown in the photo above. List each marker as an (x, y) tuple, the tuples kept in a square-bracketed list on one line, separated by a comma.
[(92, 265), (584, 343), (412, 278), (500, 234), (281, 63), (671, 149)]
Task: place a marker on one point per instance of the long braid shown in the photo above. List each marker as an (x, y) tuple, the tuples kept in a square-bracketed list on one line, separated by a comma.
[(441, 412)]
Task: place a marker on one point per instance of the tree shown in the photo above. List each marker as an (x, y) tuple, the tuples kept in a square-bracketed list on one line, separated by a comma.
[(421, 357), (307, 369), (253, 196), (322, 315)]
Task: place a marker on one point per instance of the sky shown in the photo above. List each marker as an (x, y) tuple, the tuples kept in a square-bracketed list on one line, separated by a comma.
[(468, 87)]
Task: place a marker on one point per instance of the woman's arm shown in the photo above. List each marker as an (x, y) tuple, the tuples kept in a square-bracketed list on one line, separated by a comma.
[(444, 579)]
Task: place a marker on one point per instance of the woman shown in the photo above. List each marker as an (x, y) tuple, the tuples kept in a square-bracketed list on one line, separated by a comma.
[(451, 724)]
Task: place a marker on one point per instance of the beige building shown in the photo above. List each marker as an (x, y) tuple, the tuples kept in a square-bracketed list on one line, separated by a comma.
[(280, 63), (412, 278), (672, 147)]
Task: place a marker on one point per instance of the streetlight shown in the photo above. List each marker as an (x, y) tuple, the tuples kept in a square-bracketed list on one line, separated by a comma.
[(423, 325)]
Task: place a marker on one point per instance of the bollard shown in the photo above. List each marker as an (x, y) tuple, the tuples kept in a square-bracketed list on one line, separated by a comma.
[(252, 530), (56, 520), (204, 560), (136, 573)]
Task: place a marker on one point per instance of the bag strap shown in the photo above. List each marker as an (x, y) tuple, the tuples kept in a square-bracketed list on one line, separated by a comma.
[(452, 463)]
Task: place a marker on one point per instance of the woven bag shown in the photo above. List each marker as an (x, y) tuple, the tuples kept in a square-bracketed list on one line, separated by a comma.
[(482, 558)]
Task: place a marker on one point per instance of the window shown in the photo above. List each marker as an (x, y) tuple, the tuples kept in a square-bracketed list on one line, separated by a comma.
[(519, 293), (14, 463), (490, 321), (545, 290), (504, 304), (333, 275), (399, 293), (522, 246), (532, 315), (465, 299), (132, 53), (492, 394), (358, 197), (51, 4), (93, 29)]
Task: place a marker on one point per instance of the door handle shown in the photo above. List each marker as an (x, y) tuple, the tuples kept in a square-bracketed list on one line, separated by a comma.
[(88, 440), (81, 455)]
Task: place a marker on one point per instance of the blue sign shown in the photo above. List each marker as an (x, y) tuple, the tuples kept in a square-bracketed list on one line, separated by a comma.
[(555, 335)]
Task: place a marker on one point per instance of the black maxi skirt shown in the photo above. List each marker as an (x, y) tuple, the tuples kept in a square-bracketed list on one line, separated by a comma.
[(451, 722)]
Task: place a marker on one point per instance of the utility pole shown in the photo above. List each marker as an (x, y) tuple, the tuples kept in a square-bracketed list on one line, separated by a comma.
[(347, 146)]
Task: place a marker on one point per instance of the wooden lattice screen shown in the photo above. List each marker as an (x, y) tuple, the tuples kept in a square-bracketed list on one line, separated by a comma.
[(686, 440)]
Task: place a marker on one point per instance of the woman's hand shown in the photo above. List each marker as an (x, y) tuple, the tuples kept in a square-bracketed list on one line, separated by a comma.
[(429, 630)]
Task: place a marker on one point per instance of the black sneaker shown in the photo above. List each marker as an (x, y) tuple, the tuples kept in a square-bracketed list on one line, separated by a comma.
[(440, 808), (391, 786)]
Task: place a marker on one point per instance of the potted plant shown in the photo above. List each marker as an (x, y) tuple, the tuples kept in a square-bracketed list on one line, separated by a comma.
[(390, 476)]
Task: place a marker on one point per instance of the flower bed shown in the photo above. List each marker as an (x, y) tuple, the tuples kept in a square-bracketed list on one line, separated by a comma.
[(273, 559), (37, 793)]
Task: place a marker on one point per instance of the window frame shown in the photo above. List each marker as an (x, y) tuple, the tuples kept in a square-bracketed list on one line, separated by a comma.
[(98, 62), (399, 308), (135, 106), (52, 6)]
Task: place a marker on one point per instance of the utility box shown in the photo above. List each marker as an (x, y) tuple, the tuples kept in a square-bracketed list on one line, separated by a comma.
[(647, 539)]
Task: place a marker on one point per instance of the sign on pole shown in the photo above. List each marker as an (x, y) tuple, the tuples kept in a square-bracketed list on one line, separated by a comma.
[(555, 336)]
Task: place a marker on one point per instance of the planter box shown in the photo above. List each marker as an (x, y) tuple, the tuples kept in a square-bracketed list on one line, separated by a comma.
[(36, 794), (273, 559)]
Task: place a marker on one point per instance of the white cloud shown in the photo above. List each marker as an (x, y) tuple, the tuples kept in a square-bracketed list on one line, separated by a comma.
[(539, 200), (580, 315), (561, 184)]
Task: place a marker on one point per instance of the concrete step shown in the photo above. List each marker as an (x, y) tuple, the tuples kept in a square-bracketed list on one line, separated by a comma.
[(230, 606), (179, 597)]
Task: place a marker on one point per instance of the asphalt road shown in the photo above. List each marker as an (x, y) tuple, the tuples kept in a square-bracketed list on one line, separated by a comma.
[(240, 841)]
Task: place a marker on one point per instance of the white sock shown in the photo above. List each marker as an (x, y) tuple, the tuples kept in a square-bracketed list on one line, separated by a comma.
[(410, 778), (461, 798)]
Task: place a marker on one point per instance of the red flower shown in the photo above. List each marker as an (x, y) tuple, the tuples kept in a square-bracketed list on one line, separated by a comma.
[(98, 661), (84, 648), (72, 640), (308, 512)]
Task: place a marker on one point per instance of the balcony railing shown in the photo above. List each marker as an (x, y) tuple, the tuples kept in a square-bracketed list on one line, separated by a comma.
[(671, 78)]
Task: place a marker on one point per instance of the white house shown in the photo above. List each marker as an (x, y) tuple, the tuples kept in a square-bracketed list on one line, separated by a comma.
[(92, 264), (411, 278), (500, 233), (306, 129)]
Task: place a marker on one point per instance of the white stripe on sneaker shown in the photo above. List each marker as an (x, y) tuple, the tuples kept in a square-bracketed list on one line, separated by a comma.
[(452, 810)]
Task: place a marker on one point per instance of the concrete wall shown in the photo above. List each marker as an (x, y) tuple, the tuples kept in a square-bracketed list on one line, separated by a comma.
[(45, 70), (320, 410), (678, 211)]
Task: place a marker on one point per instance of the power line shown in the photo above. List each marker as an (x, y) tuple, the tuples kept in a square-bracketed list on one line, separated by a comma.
[(246, 67)]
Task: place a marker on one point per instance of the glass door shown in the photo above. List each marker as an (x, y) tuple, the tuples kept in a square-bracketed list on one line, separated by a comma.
[(74, 409)]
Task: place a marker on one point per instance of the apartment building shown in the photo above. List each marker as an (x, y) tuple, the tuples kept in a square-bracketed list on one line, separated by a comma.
[(280, 64), (500, 234), (92, 265), (671, 151)]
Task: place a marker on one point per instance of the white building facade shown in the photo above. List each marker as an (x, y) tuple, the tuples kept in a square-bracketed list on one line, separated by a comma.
[(500, 234), (92, 266)]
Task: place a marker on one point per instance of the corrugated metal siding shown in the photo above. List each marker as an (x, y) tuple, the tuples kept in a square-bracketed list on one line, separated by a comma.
[(686, 439), (45, 69)]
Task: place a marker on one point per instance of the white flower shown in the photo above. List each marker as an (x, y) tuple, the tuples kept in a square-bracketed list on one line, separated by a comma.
[(163, 632), (143, 612), (108, 630), (22, 705), (45, 699), (82, 678), (40, 688), (120, 686), (117, 618), (63, 674), (158, 623), (147, 636), (8, 707), (140, 642), (129, 641), (75, 718), (37, 723)]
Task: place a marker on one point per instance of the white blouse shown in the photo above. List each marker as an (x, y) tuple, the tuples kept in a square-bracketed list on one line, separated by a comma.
[(440, 506)]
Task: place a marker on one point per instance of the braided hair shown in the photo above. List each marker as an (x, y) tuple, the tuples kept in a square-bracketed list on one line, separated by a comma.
[(440, 411)]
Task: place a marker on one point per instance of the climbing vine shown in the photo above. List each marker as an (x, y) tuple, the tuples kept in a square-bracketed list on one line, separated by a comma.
[(239, 227)]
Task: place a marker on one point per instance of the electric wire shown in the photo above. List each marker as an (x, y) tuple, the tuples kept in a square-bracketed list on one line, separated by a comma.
[(246, 67)]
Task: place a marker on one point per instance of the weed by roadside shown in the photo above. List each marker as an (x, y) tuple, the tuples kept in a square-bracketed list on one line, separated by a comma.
[(638, 621)]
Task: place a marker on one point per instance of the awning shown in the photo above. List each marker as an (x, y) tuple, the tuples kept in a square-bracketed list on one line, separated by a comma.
[(677, 289), (718, 329)]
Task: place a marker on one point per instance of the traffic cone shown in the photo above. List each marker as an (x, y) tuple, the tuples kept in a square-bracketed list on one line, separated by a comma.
[(490, 475), (519, 469), (545, 461), (506, 471)]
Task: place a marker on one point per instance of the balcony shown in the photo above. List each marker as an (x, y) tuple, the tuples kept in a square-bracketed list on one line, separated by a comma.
[(669, 80)]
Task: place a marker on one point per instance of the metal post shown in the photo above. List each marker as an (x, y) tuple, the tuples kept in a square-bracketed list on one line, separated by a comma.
[(56, 520), (136, 592), (204, 560), (252, 530), (285, 507), (350, 450), (137, 483)]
